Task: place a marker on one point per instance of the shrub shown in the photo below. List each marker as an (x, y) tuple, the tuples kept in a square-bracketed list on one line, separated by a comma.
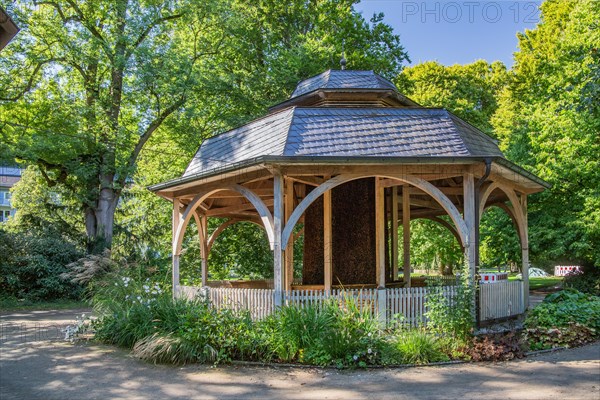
[(339, 333), (143, 316), (586, 281), (565, 318), (416, 346), (572, 335), (32, 263), (452, 317), (563, 308)]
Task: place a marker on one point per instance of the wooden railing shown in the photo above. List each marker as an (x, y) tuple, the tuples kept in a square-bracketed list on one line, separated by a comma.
[(407, 306), (404, 306), (258, 301), (364, 298), (501, 299)]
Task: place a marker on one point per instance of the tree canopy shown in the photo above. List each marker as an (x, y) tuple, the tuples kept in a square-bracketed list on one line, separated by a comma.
[(95, 90), (549, 122)]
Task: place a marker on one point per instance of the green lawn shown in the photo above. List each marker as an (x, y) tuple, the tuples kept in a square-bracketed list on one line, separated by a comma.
[(539, 283), (12, 304)]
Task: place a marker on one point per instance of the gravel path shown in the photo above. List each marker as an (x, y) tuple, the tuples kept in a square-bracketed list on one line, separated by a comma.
[(34, 364)]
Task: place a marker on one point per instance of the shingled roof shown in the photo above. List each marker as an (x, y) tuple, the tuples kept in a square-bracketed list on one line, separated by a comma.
[(345, 79), (363, 120), (346, 132)]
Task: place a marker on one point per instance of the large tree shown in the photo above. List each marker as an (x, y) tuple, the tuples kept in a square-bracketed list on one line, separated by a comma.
[(94, 87), (470, 91), (549, 122)]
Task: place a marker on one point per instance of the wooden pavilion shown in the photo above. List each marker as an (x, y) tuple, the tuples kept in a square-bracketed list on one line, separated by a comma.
[(352, 159)]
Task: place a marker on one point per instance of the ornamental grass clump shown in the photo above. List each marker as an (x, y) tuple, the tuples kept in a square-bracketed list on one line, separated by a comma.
[(416, 346), (339, 332), (143, 317)]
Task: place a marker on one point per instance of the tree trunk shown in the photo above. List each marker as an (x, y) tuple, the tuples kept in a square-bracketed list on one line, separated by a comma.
[(99, 220)]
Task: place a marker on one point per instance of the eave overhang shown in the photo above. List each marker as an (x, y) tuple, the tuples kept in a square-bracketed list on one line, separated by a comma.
[(269, 162)]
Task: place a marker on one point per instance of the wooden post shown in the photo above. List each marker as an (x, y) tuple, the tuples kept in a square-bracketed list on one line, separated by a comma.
[(327, 241), (471, 244), (395, 232), (204, 244), (278, 228), (525, 253), (175, 250), (382, 307), (406, 233), (379, 234), (469, 217), (289, 250)]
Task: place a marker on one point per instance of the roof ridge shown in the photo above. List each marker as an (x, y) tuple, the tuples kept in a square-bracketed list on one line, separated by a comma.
[(473, 127)]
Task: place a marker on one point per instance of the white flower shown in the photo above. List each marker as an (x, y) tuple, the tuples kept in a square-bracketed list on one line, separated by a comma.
[(369, 335), (146, 287), (355, 357), (127, 297), (369, 351), (139, 298)]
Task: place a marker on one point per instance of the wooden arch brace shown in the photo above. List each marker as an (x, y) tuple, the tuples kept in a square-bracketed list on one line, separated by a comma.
[(411, 180), (516, 213), (263, 211)]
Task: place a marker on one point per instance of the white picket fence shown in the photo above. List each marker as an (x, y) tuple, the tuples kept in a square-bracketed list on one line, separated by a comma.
[(364, 298), (410, 304), (405, 306), (501, 299), (258, 301)]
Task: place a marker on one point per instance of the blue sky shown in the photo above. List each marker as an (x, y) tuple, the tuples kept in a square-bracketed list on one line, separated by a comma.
[(457, 31)]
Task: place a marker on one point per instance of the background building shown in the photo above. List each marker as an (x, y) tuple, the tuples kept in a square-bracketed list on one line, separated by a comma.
[(8, 177), (8, 29)]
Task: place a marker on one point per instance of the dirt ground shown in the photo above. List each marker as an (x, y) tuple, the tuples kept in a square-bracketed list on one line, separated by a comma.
[(36, 364)]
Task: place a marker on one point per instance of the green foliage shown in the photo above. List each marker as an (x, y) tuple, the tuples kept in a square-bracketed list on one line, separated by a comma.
[(548, 122), (469, 90), (433, 247), (416, 346), (567, 317), (453, 317), (572, 335), (32, 264), (587, 281), (338, 333), (104, 98)]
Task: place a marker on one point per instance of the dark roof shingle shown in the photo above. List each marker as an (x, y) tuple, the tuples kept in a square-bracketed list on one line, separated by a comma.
[(346, 132)]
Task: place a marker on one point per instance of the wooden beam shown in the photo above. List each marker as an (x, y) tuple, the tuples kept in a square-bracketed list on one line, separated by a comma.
[(379, 234), (204, 185), (469, 218), (307, 180), (406, 234), (525, 252), (434, 205), (443, 189), (327, 240), (395, 232), (432, 171), (233, 209), (278, 218), (289, 250), (175, 254), (266, 192)]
